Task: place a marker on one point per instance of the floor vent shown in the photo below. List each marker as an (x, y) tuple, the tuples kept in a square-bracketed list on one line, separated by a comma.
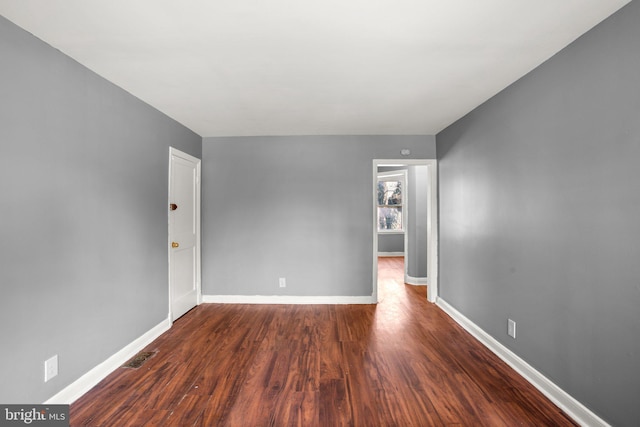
[(139, 359)]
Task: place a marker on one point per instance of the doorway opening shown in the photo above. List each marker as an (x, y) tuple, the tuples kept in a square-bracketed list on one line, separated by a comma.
[(416, 208)]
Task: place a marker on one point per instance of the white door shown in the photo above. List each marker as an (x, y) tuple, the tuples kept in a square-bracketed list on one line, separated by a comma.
[(184, 232)]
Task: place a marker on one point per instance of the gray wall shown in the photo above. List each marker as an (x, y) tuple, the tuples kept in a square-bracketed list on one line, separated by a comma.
[(294, 207), (390, 242), (540, 217), (83, 176), (418, 186)]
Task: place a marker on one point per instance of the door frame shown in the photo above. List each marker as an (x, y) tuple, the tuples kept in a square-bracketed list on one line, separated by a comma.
[(432, 223), (177, 153)]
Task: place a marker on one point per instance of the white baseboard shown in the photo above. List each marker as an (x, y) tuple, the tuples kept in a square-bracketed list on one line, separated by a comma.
[(386, 254), (572, 407), (76, 389), (418, 281), (286, 299)]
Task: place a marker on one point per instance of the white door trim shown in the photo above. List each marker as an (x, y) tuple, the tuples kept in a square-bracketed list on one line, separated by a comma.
[(432, 224), (177, 153)]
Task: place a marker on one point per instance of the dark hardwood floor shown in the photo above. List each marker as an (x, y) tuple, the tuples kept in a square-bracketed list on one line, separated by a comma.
[(402, 362)]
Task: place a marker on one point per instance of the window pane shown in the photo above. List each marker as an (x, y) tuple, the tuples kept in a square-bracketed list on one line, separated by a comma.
[(389, 193), (389, 218)]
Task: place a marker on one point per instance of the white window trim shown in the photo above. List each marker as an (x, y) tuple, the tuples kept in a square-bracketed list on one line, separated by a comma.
[(398, 175)]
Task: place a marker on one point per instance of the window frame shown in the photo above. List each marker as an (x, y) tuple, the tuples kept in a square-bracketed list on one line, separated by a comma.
[(396, 175)]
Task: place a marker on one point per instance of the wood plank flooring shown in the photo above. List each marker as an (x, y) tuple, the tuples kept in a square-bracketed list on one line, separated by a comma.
[(402, 362)]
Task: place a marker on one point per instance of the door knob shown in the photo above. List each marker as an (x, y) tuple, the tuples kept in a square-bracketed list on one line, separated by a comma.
[(173, 206), (174, 244)]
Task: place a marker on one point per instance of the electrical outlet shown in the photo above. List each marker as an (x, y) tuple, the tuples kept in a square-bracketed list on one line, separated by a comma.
[(50, 368), (511, 328), (283, 282)]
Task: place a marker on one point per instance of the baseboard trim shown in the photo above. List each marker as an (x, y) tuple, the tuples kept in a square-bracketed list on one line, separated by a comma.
[(76, 389), (417, 281), (286, 299), (572, 407), (388, 254)]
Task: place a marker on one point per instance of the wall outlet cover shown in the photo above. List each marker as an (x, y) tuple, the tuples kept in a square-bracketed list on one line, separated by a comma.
[(50, 368), (511, 328)]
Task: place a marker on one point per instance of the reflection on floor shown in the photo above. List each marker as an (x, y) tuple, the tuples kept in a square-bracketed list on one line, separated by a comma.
[(402, 362)]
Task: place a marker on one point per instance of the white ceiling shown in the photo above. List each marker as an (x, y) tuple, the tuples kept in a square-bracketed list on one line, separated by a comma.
[(301, 67)]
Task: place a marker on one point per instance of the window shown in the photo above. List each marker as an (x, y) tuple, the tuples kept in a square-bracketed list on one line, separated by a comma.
[(391, 187)]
